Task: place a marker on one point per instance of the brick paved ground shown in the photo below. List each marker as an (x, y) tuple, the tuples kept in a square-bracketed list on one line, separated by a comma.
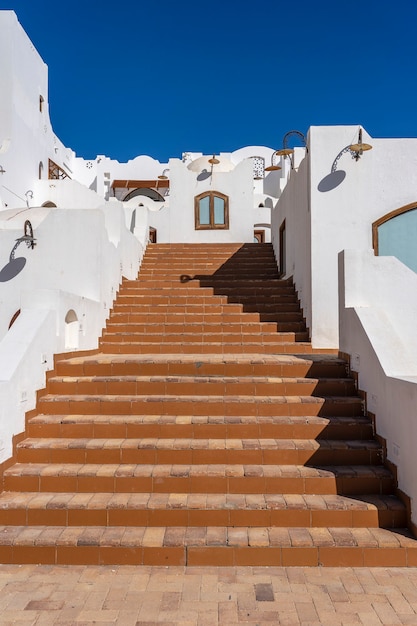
[(258, 596)]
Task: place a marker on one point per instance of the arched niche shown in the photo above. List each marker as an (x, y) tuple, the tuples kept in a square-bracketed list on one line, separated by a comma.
[(72, 328), (395, 234), (49, 204)]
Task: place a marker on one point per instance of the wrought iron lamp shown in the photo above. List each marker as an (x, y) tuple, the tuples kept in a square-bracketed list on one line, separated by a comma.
[(26, 238), (359, 148)]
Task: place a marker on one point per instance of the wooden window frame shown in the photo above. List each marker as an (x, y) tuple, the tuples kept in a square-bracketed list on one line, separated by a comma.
[(386, 218), (212, 225)]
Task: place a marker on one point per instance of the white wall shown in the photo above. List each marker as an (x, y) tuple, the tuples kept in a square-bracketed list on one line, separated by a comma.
[(176, 224), (378, 310), (332, 217), (26, 136), (293, 207), (76, 266)]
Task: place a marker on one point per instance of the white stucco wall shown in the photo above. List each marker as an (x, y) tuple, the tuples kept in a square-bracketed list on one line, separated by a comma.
[(332, 217), (293, 207), (176, 224), (76, 266), (378, 309), (26, 136)]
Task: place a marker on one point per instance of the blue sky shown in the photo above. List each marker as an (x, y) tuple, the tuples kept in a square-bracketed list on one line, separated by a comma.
[(160, 77)]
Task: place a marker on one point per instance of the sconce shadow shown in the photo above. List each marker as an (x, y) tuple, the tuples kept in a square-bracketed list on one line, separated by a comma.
[(331, 181), (203, 175), (12, 269)]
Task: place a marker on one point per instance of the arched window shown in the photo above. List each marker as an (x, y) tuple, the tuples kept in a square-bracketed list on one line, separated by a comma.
[(40, 170), (211, 210), (395, 234), (41, 101)]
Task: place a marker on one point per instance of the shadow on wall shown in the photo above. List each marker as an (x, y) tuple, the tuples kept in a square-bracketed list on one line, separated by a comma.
[(12, 269), (331, 181)]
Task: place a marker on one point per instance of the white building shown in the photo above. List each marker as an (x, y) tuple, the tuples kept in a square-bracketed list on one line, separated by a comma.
[(342, 220)]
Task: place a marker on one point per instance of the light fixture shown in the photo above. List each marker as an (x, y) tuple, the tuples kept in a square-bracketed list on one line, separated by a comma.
[(359, 148), (26, 238), (285, 151), (214, 160), (273, 167), (163, 176)]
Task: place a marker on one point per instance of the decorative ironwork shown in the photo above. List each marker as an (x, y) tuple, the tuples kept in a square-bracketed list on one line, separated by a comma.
[(55, 172), (258, 165), (26, 238)]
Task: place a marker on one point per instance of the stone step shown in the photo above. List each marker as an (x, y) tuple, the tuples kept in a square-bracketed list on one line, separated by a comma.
[(200, 509), (200, 426), (102, 404), (314, 365), (204, 385), (206, 478)]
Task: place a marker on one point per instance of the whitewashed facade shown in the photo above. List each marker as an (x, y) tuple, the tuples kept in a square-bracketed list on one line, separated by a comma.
[(325, 212)]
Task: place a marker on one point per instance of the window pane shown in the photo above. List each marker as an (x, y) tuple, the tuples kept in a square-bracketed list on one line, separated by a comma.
[(204, 211), (218, 210)]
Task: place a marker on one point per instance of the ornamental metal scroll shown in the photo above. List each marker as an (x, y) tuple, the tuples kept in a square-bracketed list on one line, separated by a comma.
[(26, 238)]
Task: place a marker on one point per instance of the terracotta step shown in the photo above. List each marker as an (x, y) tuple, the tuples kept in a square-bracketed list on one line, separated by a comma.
[(301, 347), (200, 426), (289, 312), (217, 282), (195, 290), (204, 338), (204, 385), (186, 478), (200, 405), (198, 313), (205, 328), (197, 328), (200, 509), (314, 365), (208, 546), (198, 451)]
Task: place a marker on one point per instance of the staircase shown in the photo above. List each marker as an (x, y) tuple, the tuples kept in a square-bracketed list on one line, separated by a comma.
[(205, 431)]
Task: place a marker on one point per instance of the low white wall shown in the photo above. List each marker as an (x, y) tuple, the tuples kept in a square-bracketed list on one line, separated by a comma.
[(25, 355), (64, 290), (378, 310)]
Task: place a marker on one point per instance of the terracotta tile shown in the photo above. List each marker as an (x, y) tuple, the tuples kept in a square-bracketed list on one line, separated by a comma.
[(307, 557), (211, 555)]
